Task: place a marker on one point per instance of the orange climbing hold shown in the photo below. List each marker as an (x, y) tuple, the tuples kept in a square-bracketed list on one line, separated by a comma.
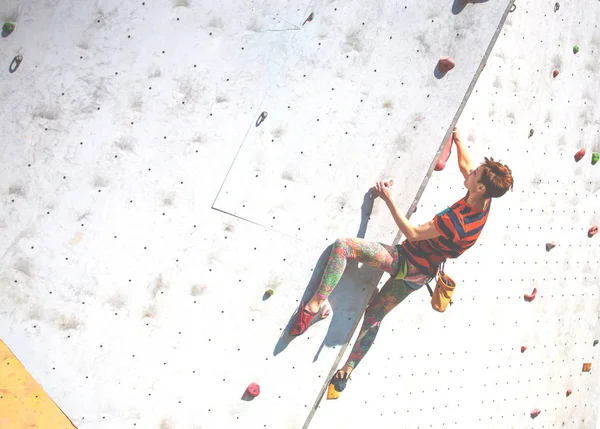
[(445, 155), (446, 64), (587, 367), (593, 231), (555, 72), (579, 155), (332, 393), (530, 297)]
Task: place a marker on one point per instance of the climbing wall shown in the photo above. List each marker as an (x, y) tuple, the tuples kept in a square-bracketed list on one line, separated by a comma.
[(166, 163), (494, 358)]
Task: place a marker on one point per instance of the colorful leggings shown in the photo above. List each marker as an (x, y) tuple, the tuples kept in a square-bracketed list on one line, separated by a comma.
[(376, 255)]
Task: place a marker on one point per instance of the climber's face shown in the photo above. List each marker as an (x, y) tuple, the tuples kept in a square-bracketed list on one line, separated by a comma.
[(472, 181)]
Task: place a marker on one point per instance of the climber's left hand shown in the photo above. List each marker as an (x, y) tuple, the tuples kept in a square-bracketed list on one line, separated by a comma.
[(383, 189)]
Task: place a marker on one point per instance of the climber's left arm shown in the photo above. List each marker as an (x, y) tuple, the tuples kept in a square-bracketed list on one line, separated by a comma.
[(411, 232)]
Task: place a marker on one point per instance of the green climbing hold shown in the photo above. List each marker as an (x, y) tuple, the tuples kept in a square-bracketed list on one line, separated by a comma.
[(575, 49), (8, 28), (595, 158)]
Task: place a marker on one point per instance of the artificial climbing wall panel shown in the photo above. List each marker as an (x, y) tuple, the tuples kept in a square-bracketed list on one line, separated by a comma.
[(355, 91), (126, 295), (23, 402), (466, 368)]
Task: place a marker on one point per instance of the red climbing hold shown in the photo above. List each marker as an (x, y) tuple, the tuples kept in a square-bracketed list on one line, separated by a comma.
[(253, 389), (535, 413), (444, 156), (579, 155), (555, 72), (531, 296), (569, 392), (523, 348), (593, 231), (446, 64)]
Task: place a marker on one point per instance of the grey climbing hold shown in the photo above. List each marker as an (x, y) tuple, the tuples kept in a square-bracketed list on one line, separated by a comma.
[(15, 63), (309, 19), (531, 133), (550, 246), (513, 8), (261, 118), (556, 7)]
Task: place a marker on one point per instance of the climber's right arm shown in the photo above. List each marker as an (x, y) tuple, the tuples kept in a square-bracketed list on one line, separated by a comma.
[(465, 163)]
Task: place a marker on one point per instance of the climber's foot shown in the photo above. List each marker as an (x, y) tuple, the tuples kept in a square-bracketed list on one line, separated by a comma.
[(340, 378), (306, 316)]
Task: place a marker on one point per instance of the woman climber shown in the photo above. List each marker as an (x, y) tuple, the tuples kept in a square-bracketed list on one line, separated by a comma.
[(447, 235)]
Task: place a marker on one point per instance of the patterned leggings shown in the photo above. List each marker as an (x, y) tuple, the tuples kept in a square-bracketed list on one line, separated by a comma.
[(376, 255)]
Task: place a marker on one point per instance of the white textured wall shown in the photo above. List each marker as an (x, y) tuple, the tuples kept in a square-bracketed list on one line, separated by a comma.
[(144, 213)]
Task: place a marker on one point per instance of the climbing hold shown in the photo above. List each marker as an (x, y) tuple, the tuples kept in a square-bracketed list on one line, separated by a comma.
[(446, 64), (593, 231), (445, 155), (595, 157), (530, 297), (309, 19), (269, 292), (531, 133), (261, 118), (535, 413), (331, 392), (579, 155), (575, 49), (595, 343), (8, 28), (569, 393), (15, 63), (253, 389), (523, 348), (550, 246), (556, 7), (555, 72), (587, 367)]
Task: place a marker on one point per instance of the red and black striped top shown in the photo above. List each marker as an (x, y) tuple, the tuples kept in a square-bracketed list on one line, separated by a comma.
[(459, 226)]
